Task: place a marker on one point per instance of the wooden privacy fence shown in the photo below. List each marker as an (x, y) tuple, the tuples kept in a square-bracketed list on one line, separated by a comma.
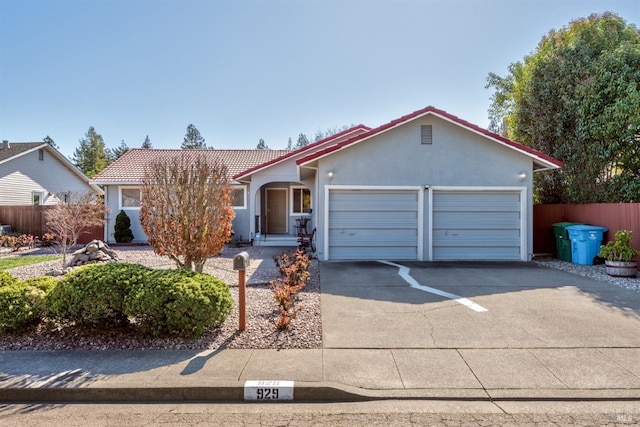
[(31, 220), (613, 216)]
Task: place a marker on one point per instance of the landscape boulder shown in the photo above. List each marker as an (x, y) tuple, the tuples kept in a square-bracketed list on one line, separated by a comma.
[(94, 252)]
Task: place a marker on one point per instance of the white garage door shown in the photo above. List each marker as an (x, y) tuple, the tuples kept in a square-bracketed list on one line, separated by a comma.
[(477, 225), (373, 224)]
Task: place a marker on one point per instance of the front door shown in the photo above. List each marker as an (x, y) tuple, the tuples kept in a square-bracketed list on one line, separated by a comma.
[(276, 210)]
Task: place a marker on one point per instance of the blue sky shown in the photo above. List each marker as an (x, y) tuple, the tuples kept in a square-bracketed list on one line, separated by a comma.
[(249, 69)]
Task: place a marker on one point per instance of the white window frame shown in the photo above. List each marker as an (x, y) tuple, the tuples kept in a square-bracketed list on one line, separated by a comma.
[(244, 196), (120, 207), (292, 189), (40, 195)]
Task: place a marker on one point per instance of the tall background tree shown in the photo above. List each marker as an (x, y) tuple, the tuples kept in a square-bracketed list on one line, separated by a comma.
[(302, 141), (262, 145), (146, 143), (186, 210), (193, 139), (91, 156), (114, 153), (577, 98), (50, 141)]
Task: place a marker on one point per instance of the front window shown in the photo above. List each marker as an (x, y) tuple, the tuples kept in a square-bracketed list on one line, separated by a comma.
[(301, 200), (238, 197), (37, 198), (130, 198)]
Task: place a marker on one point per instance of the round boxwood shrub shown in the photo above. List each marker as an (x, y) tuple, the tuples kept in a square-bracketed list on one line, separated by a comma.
[(22, 303), (94, 295), (7, 279), (122, 229), (178, 302)]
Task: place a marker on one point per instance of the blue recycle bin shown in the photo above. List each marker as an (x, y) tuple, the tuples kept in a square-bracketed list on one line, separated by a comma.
[(585, 242)]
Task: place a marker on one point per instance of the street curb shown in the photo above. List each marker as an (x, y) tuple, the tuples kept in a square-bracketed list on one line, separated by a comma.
[(304, 392)]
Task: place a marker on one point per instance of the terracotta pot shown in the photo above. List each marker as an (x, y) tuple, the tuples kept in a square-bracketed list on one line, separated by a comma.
[(621, 268)]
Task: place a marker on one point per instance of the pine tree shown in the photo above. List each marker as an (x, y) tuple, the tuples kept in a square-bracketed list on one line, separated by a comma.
[(303, 141), (147, 142), (50, 141), (91, 156), (262, 145), (193, 139), (115, 153)]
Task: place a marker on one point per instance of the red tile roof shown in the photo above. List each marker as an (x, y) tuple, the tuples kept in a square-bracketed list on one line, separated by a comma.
[(356, 130), (552, 162), (130, 167)]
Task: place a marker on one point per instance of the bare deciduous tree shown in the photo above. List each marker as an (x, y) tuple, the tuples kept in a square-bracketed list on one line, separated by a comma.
[(186, 208), (73, 217)]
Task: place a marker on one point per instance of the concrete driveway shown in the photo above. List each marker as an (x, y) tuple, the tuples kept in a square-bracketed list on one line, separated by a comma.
[(369, 305)]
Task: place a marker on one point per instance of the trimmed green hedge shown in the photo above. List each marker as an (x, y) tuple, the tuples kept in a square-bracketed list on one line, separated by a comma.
[(23, 303), (94, 295), (178, 302)]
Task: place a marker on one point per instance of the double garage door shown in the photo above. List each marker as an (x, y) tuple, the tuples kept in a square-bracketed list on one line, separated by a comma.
[(453, 224)]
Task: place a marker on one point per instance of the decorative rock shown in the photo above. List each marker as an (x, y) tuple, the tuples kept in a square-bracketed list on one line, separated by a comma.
[(95, 251)]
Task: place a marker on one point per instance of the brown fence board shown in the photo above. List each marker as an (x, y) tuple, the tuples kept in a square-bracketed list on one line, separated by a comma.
[(31, 220), (613, 216)]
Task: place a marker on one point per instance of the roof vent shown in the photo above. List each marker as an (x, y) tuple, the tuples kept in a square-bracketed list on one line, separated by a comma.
[(426, 134)]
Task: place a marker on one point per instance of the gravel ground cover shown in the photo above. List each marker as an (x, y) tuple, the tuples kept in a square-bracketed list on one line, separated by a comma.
[(596, 272), (261, 310)]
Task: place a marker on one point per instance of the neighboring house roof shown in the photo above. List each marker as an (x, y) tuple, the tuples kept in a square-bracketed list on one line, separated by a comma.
[(18, 149), (353, 131), (541, 160), (130, 167)]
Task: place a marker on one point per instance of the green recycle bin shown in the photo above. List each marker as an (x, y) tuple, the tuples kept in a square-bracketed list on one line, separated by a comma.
[(563, 242)]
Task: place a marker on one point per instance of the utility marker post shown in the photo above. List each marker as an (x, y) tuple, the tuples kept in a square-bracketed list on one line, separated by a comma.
[(240, 263)]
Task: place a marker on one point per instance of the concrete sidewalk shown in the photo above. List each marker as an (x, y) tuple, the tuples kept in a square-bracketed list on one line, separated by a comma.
[(337, 373), (319, 375)]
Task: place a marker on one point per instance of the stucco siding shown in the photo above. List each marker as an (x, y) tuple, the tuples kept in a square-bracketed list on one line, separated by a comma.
[(456, 158), (25, 174), (112, 195)]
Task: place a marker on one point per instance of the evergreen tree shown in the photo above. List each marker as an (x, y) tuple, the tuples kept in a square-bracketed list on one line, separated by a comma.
[(147, 142), (193, 139), (122, 229), (115, 153), (303, 141), (91, 156), (289, 144), (262, 145), (51, 142)]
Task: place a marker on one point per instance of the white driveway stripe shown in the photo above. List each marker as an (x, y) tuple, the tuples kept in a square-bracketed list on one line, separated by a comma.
[(404, 273)]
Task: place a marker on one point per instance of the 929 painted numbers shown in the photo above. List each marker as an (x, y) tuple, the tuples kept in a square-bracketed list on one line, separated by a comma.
[(268, 390)]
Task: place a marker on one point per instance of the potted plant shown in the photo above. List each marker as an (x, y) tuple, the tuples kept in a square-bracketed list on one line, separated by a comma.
[(619, 255)]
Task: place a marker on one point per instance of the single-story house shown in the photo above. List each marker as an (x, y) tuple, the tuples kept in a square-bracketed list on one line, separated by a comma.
[(35, 173), (426, 186)]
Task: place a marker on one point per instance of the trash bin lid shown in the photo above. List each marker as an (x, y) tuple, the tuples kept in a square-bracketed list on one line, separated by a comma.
[(584, 227)]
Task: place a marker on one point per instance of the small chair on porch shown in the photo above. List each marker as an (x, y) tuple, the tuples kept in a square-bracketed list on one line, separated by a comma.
[(305, 240)]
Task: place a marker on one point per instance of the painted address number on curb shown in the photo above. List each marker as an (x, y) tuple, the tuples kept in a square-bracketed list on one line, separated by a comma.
[(268, 390)]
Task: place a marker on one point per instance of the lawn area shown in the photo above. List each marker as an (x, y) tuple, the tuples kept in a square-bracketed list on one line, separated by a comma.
[(18, 261)]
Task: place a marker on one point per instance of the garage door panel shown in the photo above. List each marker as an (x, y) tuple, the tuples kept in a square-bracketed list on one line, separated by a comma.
[(373, 224), (477, 225), (367, 237), (496, 220), (462, 238), (351, 220), (370, 253), (479, 253)]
